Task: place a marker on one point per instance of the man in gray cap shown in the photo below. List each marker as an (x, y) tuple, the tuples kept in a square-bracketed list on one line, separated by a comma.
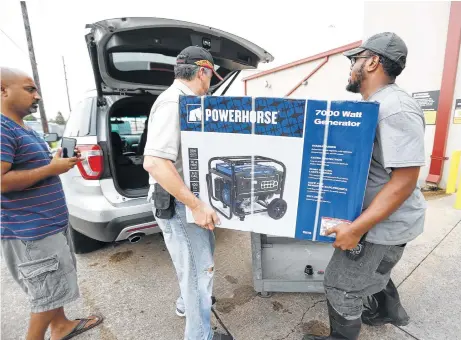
[(394, 207), (191, 245)]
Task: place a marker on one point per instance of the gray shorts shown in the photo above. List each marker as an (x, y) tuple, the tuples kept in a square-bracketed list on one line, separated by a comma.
[(46, 270)]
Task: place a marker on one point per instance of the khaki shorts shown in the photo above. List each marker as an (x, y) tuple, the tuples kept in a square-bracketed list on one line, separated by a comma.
[(45, 269)]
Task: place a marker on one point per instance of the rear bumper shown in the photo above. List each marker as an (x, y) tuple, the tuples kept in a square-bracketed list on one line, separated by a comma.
[(91, 213), (110, 231)]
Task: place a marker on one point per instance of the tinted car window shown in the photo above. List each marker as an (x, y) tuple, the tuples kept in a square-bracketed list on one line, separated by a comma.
[(128, 125), (81, 120), (149, 68)]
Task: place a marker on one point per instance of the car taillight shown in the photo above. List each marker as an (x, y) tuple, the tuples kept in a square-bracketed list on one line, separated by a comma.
[(92, 164)]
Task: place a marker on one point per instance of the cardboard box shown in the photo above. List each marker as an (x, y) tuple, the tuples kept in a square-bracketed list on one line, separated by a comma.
[(277, 166)]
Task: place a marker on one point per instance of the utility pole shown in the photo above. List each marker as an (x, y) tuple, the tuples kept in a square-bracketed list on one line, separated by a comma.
[(33, 63), (67, 87)]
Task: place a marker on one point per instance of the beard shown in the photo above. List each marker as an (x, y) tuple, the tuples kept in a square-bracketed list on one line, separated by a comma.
[(33, 108), (355, 86)]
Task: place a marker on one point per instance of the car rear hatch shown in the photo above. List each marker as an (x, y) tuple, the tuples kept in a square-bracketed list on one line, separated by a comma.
[(135, 55), (132, 56)]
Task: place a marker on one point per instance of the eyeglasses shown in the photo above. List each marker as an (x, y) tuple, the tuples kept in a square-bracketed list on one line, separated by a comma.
[(354, 59)]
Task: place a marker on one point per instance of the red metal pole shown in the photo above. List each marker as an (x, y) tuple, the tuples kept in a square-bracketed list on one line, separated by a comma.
[(447, 89)]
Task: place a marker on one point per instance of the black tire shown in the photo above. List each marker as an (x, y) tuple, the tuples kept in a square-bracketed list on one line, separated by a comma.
[(83, 244), (277, 208)]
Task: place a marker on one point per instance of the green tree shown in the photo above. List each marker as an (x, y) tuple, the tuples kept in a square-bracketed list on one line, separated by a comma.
[(30, 118), (60, 119)]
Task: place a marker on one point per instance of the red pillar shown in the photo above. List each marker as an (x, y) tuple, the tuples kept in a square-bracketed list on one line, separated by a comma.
[(447, 90)]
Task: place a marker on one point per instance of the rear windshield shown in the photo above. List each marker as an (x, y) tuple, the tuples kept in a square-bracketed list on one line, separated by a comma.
[(139, 61), (148, 68), (127, 126)]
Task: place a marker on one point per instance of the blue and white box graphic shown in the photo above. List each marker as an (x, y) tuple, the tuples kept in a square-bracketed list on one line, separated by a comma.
[(277, 166)]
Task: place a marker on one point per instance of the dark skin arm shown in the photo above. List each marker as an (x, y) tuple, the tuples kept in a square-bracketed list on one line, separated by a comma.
[(18, 180), (402, 183)]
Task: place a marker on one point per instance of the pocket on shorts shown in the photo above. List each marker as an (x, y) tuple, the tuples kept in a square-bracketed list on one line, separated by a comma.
[(43, 279), (390, 259)]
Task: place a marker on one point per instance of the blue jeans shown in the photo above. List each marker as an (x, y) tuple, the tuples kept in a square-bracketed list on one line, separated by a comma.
[(191, 248)]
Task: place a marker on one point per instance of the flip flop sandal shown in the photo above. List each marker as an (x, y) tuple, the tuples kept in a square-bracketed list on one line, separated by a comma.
[(80, 328)]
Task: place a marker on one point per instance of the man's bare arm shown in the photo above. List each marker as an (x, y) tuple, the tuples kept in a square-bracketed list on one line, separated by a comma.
[(165, 173), (389, 199), (18, 180)]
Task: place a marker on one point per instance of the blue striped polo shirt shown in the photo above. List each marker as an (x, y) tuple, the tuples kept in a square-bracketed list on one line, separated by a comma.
[(40, 210)]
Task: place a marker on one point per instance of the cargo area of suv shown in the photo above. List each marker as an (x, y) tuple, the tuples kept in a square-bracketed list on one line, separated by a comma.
[(128, 132), (133, 62)]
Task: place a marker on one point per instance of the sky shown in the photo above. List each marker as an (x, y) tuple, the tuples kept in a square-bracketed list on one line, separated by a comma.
[(290, 31)]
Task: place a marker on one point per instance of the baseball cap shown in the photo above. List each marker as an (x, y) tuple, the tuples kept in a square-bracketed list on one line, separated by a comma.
[(195, 55), (387, 44)]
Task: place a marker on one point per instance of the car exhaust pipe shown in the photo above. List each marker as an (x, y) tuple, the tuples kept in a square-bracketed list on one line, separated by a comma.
[(135, 238)]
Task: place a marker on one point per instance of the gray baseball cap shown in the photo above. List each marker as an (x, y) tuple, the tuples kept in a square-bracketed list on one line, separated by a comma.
[(387, 44)]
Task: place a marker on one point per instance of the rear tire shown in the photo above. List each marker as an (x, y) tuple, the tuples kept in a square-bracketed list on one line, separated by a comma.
[(83, 244), (277, 208)]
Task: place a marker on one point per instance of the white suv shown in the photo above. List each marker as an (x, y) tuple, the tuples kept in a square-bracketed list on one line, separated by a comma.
[(133, 60)]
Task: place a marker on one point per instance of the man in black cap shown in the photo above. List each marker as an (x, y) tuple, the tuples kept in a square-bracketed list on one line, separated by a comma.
[(191, 245), (394, 207)]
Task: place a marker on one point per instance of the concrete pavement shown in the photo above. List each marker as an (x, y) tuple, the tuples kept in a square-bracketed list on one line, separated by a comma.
[(134, 287)]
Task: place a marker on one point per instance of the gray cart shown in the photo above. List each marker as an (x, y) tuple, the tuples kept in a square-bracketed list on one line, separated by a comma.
[(288, 265)]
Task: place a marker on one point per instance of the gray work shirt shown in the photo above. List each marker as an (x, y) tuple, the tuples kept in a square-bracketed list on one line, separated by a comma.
[(164, 130), (399, 143)]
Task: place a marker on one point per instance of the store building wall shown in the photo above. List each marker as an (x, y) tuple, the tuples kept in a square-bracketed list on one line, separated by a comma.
[(422, 25)]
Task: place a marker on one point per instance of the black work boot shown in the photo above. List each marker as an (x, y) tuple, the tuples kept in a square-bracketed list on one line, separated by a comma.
[(220, 336), (385, 307), (340, 328)]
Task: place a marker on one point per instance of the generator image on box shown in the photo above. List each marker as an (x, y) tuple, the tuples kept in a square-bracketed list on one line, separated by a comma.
[(239, 182)]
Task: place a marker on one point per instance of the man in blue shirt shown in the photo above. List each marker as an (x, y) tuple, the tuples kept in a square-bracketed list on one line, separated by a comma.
[(36, 245)]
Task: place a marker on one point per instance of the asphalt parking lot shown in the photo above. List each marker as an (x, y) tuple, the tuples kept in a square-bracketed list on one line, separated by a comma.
[(135, 288)]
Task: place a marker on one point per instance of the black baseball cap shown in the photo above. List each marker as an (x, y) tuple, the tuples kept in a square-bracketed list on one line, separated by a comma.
[(195, 55), (387, 44)]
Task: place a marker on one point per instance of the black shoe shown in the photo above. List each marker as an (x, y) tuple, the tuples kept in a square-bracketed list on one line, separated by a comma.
[(340, 328), (220, 336), (384, 307)]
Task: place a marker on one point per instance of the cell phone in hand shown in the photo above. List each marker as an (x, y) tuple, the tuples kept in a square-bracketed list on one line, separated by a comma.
[(68, 147)]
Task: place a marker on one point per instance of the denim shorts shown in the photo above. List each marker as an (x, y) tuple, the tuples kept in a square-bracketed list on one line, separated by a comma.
[(45, 269)]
